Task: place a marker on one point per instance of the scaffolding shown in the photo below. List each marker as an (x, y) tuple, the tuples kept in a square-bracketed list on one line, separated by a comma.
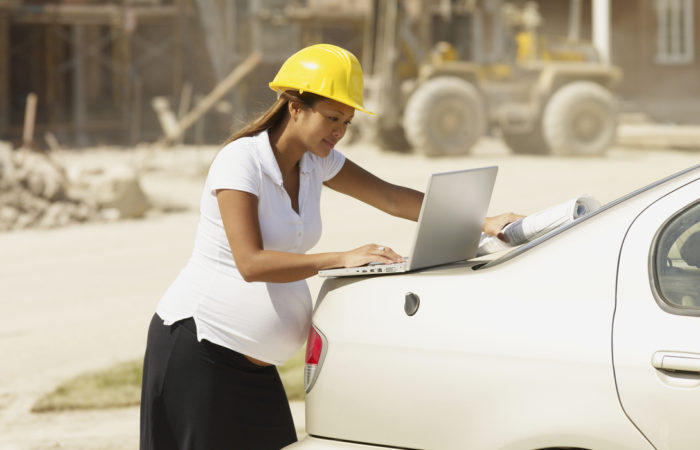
[(89, 65), (95, 67)]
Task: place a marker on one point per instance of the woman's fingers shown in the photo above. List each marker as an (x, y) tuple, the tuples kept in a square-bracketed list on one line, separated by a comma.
[(387, 254), (371, 253), (494, 225)]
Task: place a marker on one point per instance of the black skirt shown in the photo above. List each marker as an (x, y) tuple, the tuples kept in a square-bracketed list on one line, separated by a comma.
[(202, 396)]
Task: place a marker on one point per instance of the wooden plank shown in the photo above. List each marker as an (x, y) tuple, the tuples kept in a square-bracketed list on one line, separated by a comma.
[(166, 116), (29, 121), (68, 14), (213, 97)]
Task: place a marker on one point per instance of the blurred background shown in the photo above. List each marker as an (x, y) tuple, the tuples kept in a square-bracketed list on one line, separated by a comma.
[(551, 77), (111, 112), (123, 72)]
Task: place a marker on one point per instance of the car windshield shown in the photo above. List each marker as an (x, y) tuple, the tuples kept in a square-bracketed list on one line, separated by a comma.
[(527, 246)]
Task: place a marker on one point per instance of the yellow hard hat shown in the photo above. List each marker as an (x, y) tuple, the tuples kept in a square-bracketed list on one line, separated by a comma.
[(325, 70)]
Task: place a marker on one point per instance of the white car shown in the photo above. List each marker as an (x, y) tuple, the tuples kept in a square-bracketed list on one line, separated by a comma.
[(588, 337)]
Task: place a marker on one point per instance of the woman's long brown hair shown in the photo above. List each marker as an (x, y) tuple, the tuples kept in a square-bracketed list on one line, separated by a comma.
[(275, 113)]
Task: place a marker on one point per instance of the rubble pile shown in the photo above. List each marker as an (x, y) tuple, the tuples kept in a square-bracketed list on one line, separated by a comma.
[(36, 191)]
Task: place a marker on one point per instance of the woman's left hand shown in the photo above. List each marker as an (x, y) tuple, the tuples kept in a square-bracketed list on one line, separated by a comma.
[(494, 225)]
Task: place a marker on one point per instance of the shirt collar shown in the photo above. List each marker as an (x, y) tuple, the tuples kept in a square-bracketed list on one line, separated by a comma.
[(269, 162), (306, 164), (267, 158)]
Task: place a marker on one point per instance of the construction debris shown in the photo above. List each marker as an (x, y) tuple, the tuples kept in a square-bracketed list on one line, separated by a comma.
[(116, 190), (37, 192)]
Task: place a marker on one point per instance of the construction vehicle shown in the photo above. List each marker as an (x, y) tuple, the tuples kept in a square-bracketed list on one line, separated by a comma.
[(543, 95)]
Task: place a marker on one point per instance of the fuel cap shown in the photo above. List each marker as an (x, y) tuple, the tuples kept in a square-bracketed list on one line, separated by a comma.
[(412, 303)]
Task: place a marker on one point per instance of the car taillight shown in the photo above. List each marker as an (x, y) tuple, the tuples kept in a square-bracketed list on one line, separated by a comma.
[(315, 352)]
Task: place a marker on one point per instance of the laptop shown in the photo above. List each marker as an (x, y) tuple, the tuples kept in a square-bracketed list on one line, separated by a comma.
[(449, 225)]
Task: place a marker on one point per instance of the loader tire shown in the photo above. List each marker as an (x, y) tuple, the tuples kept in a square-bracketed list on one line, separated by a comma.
[(444, 116), (580, 119)]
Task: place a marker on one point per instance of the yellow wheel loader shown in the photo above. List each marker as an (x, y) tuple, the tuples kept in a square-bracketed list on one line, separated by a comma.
[(543, 95)]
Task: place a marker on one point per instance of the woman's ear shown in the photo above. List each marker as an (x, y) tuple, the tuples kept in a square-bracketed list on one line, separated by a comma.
[(295, 107)]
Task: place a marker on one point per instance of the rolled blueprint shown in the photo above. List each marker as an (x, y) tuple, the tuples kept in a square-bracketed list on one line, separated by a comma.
[(538, 224)]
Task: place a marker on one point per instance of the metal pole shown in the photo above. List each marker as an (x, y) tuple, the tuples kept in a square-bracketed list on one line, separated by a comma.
[(575, 20), (477, 18), (601, 28)]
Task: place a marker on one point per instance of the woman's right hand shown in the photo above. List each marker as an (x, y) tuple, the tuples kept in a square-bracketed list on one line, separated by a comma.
[(370, 253)]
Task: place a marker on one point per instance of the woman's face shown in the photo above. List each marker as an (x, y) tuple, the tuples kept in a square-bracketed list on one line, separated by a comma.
[(323, 125)]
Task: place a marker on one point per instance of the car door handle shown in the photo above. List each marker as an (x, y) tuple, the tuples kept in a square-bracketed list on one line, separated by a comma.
[(676, 361)]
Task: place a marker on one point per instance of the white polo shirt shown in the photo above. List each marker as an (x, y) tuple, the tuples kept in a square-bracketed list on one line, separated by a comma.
[(268, 321)]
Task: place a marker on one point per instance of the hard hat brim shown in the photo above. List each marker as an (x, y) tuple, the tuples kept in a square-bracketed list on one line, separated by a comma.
[(279, 89)]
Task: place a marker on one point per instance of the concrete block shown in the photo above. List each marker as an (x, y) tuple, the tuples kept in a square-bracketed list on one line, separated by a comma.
[(120, 189)]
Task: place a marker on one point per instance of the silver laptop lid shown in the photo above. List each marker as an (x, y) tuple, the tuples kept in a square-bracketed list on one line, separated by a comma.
[(452, 216)]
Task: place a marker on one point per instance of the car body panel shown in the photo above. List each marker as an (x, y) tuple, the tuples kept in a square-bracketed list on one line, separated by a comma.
[(663, 404), (397, 359), (517, 355)]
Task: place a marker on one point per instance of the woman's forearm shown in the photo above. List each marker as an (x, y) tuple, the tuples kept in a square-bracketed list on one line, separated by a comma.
[(407, 203), (283, 267)]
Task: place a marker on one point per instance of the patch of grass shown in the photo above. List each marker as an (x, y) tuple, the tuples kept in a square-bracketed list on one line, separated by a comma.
[(292, 375), (120, 386), (114, 387)]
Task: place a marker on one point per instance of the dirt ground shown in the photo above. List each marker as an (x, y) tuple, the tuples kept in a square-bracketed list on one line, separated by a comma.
[(80, 298)]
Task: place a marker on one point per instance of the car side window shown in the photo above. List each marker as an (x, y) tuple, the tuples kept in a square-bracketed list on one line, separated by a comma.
[(677, 260)]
